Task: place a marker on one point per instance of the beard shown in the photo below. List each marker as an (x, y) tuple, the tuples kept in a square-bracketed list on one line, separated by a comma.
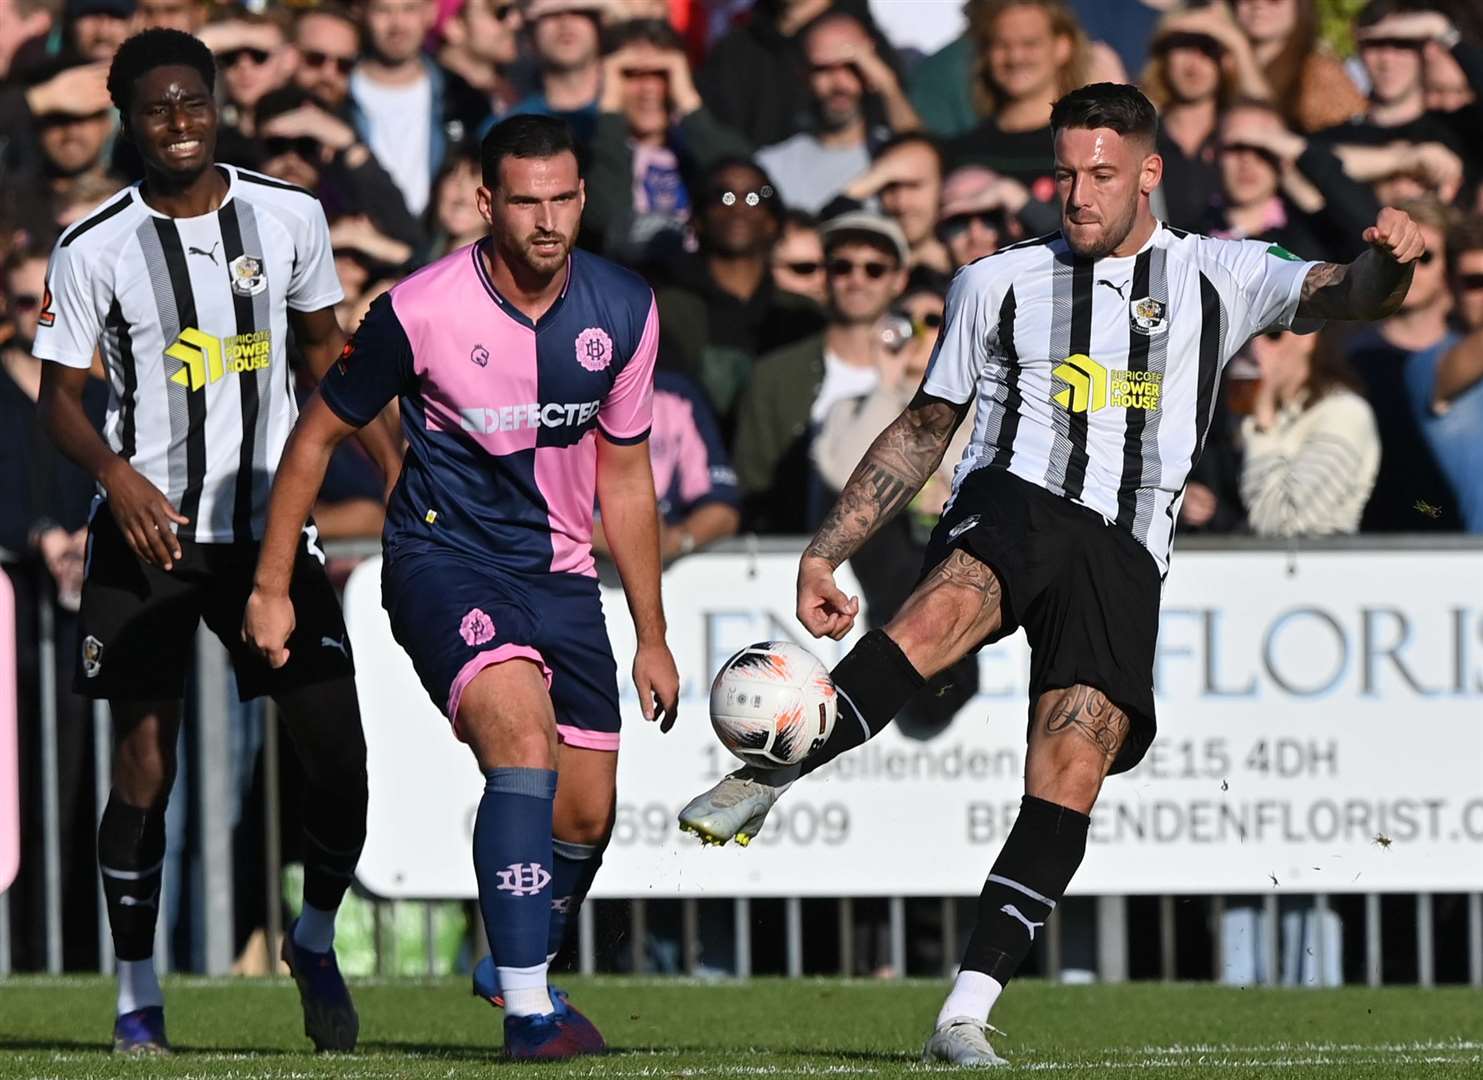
[(539, 261), (1114, 232)]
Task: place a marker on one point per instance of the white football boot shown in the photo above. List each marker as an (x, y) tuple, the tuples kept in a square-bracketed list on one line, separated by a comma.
[(963, 1041), (736, 807)]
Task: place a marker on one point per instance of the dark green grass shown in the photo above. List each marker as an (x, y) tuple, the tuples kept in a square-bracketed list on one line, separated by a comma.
[(243, 1029)]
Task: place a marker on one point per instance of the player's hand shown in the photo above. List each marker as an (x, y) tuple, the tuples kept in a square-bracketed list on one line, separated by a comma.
[(144, 516), (823, 609), (658, 684), (266, 625), (1396, 235)]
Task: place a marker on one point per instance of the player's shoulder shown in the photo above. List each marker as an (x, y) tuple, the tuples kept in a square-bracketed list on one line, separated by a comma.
[(99, 228), (997, 270), (1225, 257), (259, 188), (610, 281)]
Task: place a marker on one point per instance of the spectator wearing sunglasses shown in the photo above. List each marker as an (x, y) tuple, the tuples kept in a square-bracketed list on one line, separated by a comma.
[(793, 390), (481, 45), (982, 211), (410, 110), (653, 142), (253, 58), (1431, 462), (305, 144), (857, 103), (721, 309), (327, 46), (798, 258)]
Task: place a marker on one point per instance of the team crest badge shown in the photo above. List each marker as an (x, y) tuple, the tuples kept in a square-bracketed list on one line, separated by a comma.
[(480, 356), (248, 278), (594, 349), (92, 656), (1149, 316)]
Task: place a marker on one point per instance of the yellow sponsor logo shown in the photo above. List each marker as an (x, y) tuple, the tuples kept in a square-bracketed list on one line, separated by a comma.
[(205, 358), (1086, 386)]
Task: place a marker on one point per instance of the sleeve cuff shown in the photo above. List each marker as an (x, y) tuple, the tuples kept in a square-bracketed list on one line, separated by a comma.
[(315, 303), (72, 360), (624, 440), (339, 409)]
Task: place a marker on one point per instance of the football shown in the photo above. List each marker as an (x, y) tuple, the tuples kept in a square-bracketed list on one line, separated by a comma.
[(773, 704)]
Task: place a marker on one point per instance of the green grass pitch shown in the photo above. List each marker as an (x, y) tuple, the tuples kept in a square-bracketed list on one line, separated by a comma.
[(248, 1029)]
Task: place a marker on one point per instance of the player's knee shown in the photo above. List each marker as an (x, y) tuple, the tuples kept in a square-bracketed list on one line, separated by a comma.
[(143, 770), (1071, 783), (934, 628), (585, 824)]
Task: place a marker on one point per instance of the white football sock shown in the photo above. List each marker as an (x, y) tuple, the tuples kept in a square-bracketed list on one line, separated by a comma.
[(525, 990), (315, 929), (138, 985), (973, 995)]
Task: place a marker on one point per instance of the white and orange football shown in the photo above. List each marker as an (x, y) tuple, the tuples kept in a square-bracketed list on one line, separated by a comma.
[(773, 704)]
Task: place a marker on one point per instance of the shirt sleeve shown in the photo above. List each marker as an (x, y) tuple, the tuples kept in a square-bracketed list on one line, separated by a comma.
[(375, 367), (314, 283), (70, 319), (962, 348), (1270, 282), (628, 411)]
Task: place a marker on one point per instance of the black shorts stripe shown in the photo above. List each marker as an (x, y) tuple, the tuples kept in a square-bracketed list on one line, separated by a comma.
[(117, 327), (195, 439), (1081, 343), (1138, 343), (118, 206), (1009, 418), (231, 246), (1212, 332)]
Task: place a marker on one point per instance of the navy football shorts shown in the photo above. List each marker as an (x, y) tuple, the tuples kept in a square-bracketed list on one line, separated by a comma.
[(455, 618)]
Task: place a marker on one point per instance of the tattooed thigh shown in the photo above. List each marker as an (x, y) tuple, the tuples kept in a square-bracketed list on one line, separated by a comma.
[(1085, 713), (951, 612)]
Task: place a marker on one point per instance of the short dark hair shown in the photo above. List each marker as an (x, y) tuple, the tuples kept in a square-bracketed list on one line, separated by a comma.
[(710, 180), (912, 138), (656, 32), (1376, 10), (528, 135), (1119, 107), (156, 48)]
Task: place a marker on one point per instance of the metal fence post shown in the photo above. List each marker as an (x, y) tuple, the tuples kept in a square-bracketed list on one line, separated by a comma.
[(586, 941), (1426, 944), (5, 933), (949, 936), (214, 793), (51, 841), (793, 924), (846, 936), (1112, 939), (638, 930), (1320, 940), (102, 788), (897, 909), (690, 935), (741, 919), (1475, 939), (1168, 940), (272, 824), (1373, 942)]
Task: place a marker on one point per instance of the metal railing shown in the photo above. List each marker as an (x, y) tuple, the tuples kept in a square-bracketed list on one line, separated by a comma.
[(212, 750)]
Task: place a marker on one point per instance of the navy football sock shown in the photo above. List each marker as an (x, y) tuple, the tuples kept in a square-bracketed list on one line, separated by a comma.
[(512, 860), (575, 865)]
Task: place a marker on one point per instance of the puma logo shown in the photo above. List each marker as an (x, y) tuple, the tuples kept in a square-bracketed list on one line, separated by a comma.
[(1014, 913), (1115, 288), (152, 900), (327, 642), (209, 254)]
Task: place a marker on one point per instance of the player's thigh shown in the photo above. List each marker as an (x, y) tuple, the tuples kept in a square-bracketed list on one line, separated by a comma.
[(956, 607), (505, 716), (145, 735), (1076, 734), (586, 794)]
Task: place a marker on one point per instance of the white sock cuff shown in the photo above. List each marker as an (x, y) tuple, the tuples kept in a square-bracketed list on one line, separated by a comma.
[(973, 995)]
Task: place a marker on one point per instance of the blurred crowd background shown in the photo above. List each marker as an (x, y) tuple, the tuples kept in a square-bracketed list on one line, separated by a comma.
[(799, 179)]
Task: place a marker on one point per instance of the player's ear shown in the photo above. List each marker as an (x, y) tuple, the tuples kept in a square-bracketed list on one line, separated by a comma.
[(1152, 173), (484, 199), (581, 194)]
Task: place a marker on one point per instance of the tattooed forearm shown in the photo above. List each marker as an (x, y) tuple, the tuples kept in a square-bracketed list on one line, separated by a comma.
[(1085, 711), (893, 470), (1371, 287)]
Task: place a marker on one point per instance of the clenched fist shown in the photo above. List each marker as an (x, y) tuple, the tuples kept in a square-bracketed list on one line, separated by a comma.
[(1396, 235)]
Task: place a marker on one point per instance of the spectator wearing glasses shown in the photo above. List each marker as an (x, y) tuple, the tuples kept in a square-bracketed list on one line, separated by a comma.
[(1311, 449), (857, 102), (1431, 462), (327, 44), (798, 258), (982, 211), (567, 36), (793, 390), (253, 58), (722, 310), (410, 110), (481, 45), (307, 145), (654, 140), (904, 181), (1303, 79)]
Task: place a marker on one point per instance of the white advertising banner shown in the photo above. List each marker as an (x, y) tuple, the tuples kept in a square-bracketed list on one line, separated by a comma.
[(1320, 729)]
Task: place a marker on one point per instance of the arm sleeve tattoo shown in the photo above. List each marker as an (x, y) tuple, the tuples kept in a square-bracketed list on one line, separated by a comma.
[(1370, 287)]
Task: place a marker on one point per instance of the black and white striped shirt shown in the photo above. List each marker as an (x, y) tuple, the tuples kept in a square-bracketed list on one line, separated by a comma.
[(1096, 379), (191, 316)]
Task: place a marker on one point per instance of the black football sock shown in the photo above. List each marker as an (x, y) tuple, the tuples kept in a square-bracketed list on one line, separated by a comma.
[(131, 855), (873, 682), (1029, 878)]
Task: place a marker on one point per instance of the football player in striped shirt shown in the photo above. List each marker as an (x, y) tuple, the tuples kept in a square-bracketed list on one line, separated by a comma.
[(189, 283), (1093, 354)]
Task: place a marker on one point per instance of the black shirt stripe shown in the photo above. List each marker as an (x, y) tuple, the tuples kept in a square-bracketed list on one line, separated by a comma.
[(1138, 343), (1212, 330), (113, 209), (195, 439), (231, 246), (116, 325), (1009, 423), (1081, 343)]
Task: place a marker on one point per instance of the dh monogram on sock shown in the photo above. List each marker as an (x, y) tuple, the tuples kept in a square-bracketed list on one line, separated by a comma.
[(523, 879), (1014, 913)]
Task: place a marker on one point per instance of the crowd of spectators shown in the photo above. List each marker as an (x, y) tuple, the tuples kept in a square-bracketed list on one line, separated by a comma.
[(799, 179)]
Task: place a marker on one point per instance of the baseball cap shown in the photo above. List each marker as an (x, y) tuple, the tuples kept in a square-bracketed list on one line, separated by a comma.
[(864, 223)]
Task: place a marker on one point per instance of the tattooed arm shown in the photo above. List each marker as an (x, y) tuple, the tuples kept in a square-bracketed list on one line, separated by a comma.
[(893, 470), (1373, 285)]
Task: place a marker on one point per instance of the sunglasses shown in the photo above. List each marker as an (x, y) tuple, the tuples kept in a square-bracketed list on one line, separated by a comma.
[(231, 57), (721, 197), (26, 302), (55, 120), (1402, 44), (1247, 148), (1187, 40), (303, 146), (1468, 282), (804, 268), (316, 59), (873, 270), (950, 228)]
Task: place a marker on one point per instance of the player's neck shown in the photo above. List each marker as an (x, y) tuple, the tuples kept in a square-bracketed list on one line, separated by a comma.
[(530, 292), (192, 197), (1143, 226)]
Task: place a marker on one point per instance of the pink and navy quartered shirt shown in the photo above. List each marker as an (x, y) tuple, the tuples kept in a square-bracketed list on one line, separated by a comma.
[(502, 414)]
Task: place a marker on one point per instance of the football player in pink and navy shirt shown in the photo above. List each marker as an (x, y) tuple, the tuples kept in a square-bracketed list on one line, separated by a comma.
[(525, 374)]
